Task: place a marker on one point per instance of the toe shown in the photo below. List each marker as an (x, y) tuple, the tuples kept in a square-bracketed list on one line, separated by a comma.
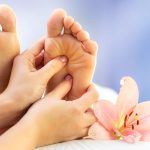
[(55, 23), (83, 36), (7, 19), (90, 46), (76, 27), (68, 22)]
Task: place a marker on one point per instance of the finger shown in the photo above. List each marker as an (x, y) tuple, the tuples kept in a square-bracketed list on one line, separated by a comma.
[(52, 67), (89, 119), (62, 89), (85, 101), (39, 60), (36, 48), (83, 133)]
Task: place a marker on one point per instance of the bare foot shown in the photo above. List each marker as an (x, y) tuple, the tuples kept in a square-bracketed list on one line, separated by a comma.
[(66, 37), (9, 44)]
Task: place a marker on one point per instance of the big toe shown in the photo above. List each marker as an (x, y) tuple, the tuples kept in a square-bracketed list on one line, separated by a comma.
[(7, 19), (55, 23)]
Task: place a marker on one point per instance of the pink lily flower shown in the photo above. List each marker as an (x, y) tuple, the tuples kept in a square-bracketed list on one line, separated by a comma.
[(126, 120)]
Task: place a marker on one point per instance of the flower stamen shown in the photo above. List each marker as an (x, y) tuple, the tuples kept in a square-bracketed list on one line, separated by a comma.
[(137, 122), (131, 113), (125, 121), (132, 127)]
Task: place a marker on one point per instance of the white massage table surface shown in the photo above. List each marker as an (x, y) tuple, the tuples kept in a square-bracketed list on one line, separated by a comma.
[(97, 145)]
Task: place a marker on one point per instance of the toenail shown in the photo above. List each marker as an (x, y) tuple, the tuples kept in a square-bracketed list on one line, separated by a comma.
[(63, 59), (68, 77)]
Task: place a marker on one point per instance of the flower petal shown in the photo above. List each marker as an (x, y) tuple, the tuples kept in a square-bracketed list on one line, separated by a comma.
[(128, 96), (105, 113), (131, 136), (146, 136), (142, 111), (98, 132)]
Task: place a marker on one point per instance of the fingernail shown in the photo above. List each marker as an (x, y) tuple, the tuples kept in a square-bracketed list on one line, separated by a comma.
[(68, 77), (63, 59)]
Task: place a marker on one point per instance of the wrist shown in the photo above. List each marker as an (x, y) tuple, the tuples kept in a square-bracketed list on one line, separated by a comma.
[(21, 136), (32, 128), (45, 135), (9, 111), (8, 102), (13, 98)]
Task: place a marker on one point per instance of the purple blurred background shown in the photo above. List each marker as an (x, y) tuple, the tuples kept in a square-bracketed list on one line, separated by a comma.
[(121, 28)]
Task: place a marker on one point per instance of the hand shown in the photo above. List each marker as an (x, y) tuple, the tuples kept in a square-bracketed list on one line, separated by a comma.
[(29, 79), (53, 120), (28, 82)]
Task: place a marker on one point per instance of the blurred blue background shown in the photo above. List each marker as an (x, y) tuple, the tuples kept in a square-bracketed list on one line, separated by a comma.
[(121, 28)]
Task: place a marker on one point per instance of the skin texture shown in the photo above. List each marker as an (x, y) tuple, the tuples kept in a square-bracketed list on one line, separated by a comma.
[(74, 43), (9, 44), (31, 125), (32, 78)]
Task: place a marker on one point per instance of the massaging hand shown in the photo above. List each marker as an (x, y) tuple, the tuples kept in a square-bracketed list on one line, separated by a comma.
[(53, 120), (29, 79), (28, 82)]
